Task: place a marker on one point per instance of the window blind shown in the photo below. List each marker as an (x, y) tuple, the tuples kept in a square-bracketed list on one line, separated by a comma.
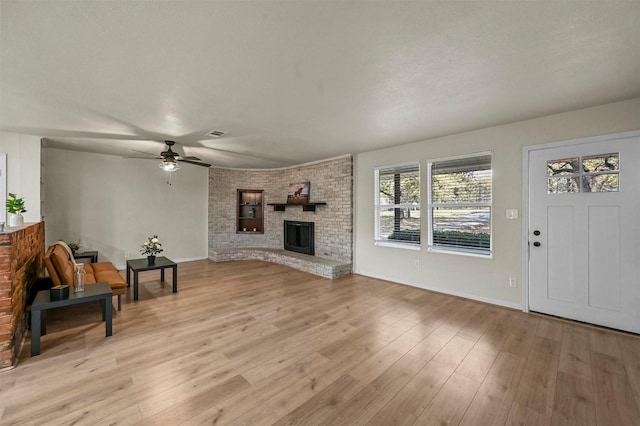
[(398, 204), (460, 204)]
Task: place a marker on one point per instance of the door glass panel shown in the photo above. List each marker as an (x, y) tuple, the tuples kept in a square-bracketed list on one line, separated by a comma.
[(567, 166), (601, 183), (562, 185), (597, 173), (601, 163)]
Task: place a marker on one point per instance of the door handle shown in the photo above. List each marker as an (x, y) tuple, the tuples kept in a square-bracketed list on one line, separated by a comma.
[(537, 244)]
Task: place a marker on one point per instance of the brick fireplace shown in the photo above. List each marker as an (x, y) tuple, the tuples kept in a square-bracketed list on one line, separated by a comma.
[(21, 263), (331, 182)]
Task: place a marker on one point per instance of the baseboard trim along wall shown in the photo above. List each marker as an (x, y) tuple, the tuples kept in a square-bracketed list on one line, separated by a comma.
[(477, 298)]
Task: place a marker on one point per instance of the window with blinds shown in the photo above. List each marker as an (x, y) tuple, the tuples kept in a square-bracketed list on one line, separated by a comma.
[(460, 205), (398, 204)]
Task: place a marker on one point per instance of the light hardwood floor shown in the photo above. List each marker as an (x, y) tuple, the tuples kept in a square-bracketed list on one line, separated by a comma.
[(253, 343)]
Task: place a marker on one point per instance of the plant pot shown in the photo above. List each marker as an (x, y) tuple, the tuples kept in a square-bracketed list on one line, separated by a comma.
[(15, 220), (151, 259)]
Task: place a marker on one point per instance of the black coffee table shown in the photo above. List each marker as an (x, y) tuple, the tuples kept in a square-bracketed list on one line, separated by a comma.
[(141, 265), (43, 302)]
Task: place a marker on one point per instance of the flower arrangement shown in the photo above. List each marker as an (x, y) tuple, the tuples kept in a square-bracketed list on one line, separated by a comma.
[(152, 246)]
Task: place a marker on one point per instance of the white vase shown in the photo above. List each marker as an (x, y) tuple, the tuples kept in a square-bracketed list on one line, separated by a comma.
[(15, 220)]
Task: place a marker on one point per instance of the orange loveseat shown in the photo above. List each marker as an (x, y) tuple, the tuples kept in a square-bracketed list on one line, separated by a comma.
[(61, 266)]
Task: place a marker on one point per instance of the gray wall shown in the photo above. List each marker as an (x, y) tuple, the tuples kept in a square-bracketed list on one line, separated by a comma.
[(113, 204), (331, 182)]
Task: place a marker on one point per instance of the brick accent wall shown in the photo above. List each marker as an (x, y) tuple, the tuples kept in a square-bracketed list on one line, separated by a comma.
[(331, 182), (21, 263)]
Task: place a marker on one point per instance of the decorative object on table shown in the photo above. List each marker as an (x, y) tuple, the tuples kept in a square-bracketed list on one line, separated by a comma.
[(79, 277), (15, 206), (151, 247), (298, 193), (59, 292), (74, 247)]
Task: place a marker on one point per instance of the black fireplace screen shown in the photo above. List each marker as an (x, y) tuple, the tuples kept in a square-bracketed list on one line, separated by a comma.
[(298, 237)]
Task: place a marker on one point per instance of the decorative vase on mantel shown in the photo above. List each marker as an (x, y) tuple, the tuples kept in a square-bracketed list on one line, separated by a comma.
[(151, 259), (15, 220)]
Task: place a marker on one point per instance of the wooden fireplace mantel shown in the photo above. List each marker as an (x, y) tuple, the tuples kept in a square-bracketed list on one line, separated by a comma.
[(306, 207)]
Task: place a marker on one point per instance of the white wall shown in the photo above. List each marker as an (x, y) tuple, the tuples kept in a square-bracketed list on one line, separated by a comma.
[(483, 279), (112, 204), (23, 172)]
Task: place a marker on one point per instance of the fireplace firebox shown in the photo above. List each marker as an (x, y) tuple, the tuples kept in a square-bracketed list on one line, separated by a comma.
[(298, 237)]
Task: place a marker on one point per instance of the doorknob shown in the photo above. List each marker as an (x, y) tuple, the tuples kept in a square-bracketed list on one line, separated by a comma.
[(537, 244), (536, 232)]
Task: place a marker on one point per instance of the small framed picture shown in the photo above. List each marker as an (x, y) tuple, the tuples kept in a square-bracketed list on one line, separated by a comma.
[(298, 193)]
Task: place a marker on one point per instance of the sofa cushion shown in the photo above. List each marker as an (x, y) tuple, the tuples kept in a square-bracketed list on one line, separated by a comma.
[(63, 265), (102, 266), (112, 277), (48, 262), (90, 279)]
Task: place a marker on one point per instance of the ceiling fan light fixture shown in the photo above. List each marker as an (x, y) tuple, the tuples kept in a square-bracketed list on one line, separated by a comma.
[(169, 165)]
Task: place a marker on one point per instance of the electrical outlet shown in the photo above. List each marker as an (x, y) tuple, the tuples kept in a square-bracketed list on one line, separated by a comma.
[(127, 255), (416, 263), (513, 282)]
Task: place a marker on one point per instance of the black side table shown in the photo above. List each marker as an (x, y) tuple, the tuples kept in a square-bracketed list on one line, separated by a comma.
[(141, 265), (43, 302), (92, 255)]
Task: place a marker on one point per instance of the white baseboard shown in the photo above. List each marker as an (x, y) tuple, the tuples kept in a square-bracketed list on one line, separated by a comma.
[(502, 303)]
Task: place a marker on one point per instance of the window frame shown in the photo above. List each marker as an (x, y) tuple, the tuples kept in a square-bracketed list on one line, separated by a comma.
[(378, 241), (484, 254)]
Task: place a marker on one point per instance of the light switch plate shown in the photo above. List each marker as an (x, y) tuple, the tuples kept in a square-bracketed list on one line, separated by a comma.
[(512, 214)]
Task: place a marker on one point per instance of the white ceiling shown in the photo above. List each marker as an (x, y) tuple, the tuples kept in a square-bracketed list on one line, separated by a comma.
[(293, 82)]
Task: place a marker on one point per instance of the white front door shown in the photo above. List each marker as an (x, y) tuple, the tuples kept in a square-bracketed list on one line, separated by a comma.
[(584, 231)]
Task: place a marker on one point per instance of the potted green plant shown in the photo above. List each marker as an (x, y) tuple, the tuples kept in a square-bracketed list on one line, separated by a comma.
[(15, 206), (74, 247)]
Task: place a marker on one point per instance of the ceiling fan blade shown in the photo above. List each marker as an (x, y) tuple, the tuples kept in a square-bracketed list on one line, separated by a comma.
[(143, 158), (190, 158), (197, 163), (146, 153)]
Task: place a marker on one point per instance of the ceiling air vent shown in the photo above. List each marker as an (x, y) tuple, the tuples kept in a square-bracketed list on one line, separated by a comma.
[(216, 134)]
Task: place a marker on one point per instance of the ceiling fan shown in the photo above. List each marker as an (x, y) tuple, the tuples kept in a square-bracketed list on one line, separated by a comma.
[(170, 159)]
